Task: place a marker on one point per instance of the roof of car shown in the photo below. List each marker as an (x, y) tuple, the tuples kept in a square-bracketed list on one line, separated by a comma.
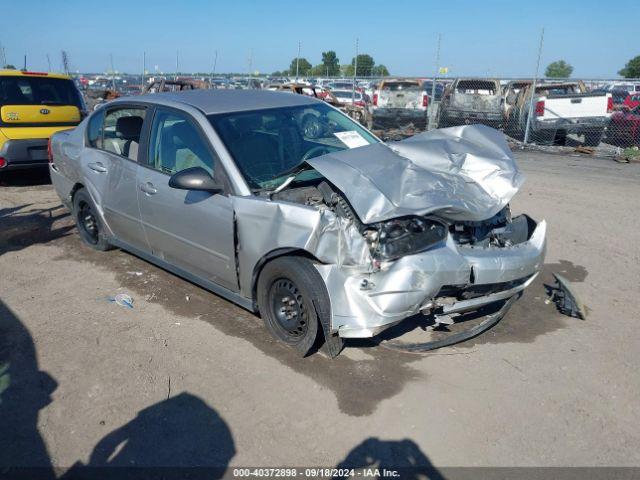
[(225, 101), (21, 73)]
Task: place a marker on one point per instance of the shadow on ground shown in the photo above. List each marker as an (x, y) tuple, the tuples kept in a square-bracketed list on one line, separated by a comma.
[(402, 456), (24, 391), (23, 226), (25, 178), (169, 439)]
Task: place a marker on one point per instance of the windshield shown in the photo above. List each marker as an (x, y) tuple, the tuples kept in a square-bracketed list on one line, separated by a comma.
[(267, 144), (25, 90)]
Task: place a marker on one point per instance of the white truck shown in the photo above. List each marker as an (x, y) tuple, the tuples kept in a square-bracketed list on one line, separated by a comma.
[(561, 109), (398, 102)]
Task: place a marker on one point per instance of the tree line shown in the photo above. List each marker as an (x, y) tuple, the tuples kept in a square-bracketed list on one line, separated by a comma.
[(330, 67)]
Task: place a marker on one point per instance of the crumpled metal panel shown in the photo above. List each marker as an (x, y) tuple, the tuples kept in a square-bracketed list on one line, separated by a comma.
[(404, 286), (461, 173), (265, 226)]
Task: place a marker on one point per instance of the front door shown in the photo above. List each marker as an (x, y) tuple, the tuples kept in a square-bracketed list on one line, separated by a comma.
[(192, 230)]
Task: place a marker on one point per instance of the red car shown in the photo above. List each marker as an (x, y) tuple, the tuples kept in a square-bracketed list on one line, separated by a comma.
[(632, 101), (624, 129)]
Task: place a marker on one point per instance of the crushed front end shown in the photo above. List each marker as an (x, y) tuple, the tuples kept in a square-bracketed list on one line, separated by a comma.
[(460, 268)]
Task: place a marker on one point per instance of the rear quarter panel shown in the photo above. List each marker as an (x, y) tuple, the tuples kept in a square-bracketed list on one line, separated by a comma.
[(66, 148)]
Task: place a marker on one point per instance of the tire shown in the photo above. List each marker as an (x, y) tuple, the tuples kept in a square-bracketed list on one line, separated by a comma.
[(544, 137), (293, 301), (593, 138), (89, 225)]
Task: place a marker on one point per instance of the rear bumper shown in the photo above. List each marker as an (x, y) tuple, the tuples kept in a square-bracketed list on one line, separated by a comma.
[(571, 125), (473, 116), (382, 114), (23, 154), (447, 280)]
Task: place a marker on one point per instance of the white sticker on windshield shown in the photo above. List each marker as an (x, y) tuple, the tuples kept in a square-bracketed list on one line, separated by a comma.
[(351, 139)]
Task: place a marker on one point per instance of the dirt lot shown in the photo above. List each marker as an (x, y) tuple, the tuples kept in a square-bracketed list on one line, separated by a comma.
[(186, 378)]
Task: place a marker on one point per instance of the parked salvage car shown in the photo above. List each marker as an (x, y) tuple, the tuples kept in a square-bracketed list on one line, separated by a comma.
[(398, 102), (510, 93), (631, 101), (166, 85), (33, 106), (335, 235), (624, 129), (358, 111), (427, 86), (472, 101), (561, 109)]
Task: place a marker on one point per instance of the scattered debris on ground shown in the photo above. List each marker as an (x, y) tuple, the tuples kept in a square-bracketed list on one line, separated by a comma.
[(122, 299), (565, 297)]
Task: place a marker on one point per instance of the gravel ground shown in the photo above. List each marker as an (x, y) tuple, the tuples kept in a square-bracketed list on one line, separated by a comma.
[(186, 378)]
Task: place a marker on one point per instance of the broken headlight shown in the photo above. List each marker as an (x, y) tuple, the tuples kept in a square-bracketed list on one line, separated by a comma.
[(403, 236)]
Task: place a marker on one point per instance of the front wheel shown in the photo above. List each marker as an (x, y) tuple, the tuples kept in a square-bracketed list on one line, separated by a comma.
[(292, 298)]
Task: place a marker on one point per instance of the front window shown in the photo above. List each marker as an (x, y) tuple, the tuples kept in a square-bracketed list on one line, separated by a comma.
[(267, 144), (176, 144)]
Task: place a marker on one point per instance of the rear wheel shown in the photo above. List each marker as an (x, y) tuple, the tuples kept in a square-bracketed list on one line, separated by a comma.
[(543, 137), (593, 138), (291, 298), (88, 222)]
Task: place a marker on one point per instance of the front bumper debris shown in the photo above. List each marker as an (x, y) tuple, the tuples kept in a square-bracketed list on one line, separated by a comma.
[(366, 303), (419, 347)]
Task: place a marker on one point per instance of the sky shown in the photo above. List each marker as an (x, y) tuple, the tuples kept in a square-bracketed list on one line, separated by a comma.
[(484, 38)]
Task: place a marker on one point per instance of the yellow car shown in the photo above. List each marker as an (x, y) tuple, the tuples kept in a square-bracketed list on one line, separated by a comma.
[(34, 106)]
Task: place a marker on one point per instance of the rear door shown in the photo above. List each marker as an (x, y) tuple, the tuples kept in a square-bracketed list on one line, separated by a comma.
[(192, 230), (110, 168)]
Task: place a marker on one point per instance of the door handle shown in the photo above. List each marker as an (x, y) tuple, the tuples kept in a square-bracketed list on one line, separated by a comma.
[(97, 167), (148, 188)]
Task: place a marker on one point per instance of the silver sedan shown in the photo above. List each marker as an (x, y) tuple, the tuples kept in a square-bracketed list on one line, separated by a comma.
[(286, 206)]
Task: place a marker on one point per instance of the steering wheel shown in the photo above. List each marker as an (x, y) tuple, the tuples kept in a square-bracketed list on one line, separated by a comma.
[(315, 152)]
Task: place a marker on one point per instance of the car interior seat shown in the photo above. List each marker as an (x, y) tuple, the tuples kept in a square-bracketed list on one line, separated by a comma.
[(255, 152), (128, 129)]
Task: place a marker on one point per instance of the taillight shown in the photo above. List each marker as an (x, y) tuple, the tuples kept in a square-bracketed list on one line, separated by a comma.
[(375, 99), (425, 100), (609, 104), (540, 108), (3, 162), (49, 151)]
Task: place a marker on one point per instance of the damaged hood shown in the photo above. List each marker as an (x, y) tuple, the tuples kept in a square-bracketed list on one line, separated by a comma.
[(459, 173)]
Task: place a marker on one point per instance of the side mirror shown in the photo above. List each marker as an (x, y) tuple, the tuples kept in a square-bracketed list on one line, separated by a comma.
[(195, 178)]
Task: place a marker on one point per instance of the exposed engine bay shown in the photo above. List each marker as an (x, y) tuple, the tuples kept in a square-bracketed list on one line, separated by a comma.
[(392, 239)]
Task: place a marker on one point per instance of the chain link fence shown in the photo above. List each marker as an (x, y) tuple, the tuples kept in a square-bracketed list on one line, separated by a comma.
[(596, 114), (600, 115)]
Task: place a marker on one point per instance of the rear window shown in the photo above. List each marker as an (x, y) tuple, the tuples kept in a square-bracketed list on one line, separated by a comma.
[(477, 87), (38, 91), (396, 86), (343, 94), (557, 89)]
